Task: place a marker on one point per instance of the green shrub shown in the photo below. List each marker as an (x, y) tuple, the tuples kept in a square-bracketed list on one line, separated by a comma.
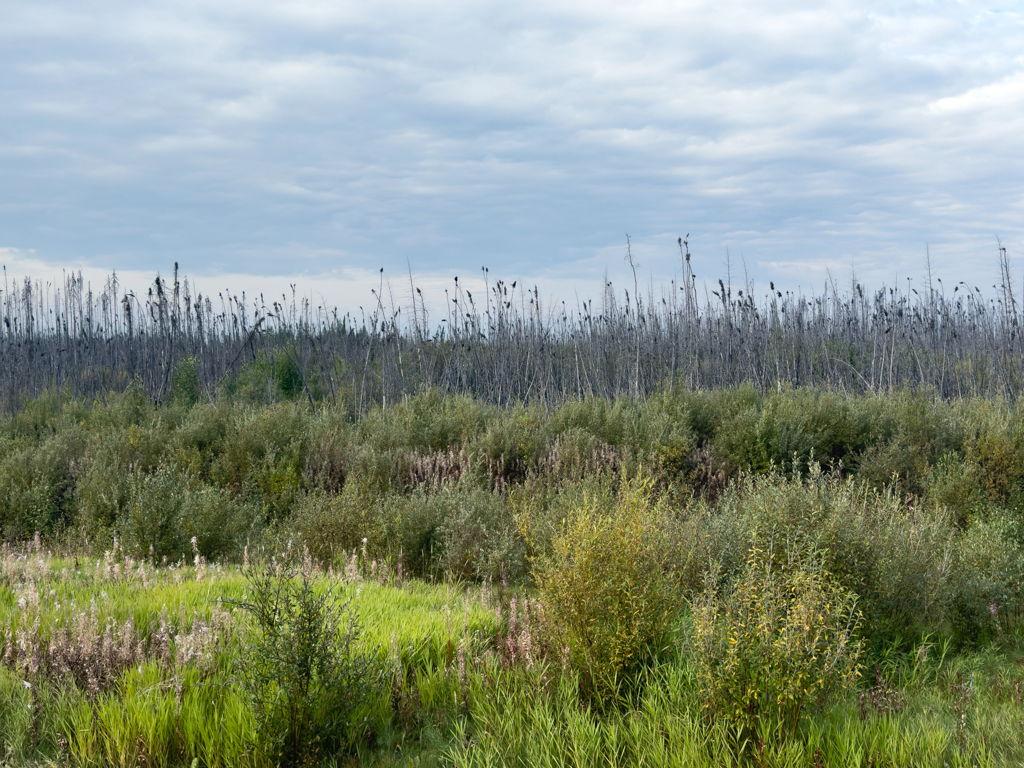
[(793, 426), (132, 406), (463, 530), (301, 668), (199, 439), (327, 462), (987, 579), (102, 496), (256, 382), (709, 410), (186, 389), (781, 639), (895, 556), (577, 453), (37, 483), (287, 373), (608, 588), (911, 431), (251, 435), (541, 506), (994, 444), (167, 510), (476, 535), (512, 445), (956, 484), (331, 525), (114, 457), (426, 422), (263, 457)]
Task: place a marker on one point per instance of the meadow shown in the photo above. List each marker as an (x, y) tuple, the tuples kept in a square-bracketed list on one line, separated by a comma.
[(752, 528), (735, 575)]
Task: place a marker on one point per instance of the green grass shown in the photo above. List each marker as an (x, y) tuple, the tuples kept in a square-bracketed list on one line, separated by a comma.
[(951, 709), (433, 515), (187, 705)]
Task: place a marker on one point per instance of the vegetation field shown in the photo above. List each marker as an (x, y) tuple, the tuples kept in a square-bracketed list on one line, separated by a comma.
[(724, 577)]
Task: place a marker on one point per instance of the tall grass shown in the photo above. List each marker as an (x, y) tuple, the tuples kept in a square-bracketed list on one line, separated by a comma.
[(462, 687)]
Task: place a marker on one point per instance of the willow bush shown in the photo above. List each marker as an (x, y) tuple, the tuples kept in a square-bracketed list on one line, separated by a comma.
[(609, 590), (783, 638)]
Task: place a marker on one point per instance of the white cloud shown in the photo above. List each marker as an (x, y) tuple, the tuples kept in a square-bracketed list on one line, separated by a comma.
[(238, 136), (1005, 96)]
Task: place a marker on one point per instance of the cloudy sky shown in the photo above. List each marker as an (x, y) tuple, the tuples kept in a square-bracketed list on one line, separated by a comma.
[(319, 141)]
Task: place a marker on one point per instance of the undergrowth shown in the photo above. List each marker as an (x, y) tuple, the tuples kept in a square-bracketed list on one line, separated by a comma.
[(698, 578)]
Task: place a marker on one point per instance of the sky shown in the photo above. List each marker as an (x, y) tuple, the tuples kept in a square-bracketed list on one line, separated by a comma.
[(262, 144)]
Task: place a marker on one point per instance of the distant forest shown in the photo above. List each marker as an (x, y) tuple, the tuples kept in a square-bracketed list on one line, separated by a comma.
[(507, 345)]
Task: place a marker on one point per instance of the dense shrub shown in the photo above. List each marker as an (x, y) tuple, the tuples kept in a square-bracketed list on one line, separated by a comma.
[(186, 389), (904, 512), (512, 444), (332, 524), (987, 579), (956, 484), (327, 464), (167, 511), (476, 534), (541, 506), (37, 483), (895, 556), (791, 429), (114, 457), (424, 422), (199, 438), (465, 531), (608, 589), (780, 639), (301, 669), (994, 445)]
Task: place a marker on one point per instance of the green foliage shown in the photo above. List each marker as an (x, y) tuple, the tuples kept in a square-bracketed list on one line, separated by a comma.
[(895, 556), (463, 531), (608, 588), (168, 515), (452, 484), (793, 427), (994, 445), (255, 383), (263, 455), (288, 374), (186, 388), (476, 534), (956, 484), (541, 506), (327, 456), (781, 640), (37, 483), (331, 525), (512, 444), (114, 456), (199, 439), (424, 422), (987, 580), (301, 670), (133, 406), (452, 693)]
